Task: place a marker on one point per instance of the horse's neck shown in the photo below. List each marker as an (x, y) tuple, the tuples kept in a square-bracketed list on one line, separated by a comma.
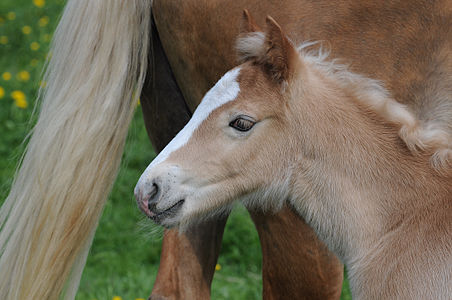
[(354, 176)]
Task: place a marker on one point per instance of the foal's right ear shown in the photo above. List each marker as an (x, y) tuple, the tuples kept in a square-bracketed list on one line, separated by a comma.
[(281, 57)]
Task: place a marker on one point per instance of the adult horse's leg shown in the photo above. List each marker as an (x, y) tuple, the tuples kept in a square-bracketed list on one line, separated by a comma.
[(188, 260), (296, 264)]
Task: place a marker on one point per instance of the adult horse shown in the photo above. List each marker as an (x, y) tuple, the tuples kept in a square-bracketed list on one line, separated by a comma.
[(370, 174), (99, 59)]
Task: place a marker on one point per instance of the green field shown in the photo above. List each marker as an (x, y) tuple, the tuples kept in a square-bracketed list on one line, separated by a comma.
[(124, 259)]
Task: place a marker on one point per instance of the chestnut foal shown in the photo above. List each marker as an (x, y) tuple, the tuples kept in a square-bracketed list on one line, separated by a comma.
[(405, 44), (368, 174)]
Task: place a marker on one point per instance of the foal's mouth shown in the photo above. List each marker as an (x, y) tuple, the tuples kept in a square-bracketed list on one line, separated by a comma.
[(158, 216)]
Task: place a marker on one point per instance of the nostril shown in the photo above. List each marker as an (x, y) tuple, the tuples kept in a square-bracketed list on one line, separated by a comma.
[(154, 191), (153, 196)]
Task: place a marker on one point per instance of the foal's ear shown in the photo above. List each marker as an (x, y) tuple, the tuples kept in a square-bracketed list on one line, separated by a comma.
[(249, 44), (280, 56), (248, 24)]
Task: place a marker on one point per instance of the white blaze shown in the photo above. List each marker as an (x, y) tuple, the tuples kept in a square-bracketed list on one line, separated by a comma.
[(224, 91)]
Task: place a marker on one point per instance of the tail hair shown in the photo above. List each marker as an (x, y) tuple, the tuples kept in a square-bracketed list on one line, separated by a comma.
[(93, 78)]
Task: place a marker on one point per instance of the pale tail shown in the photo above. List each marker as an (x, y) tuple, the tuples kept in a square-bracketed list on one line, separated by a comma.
[(47, 223)]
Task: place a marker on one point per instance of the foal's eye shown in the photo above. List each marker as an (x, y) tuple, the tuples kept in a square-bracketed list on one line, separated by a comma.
[(242, 124)]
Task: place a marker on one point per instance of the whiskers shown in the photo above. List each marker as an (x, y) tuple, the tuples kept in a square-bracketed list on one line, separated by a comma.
[(148, 230)]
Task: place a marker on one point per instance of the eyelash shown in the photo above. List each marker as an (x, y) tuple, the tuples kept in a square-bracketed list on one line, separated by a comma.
[(242, 124)]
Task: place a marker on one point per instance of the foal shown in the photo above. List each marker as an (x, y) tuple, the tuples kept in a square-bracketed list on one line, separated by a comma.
[(371, 178)]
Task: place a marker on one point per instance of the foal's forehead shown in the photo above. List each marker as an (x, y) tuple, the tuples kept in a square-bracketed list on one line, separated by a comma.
[(244, 79)]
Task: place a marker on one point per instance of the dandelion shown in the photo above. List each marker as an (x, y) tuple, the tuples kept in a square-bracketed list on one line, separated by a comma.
[(20, 99), (39, 3), (24, 75), (11, 15), (6, 76), (117, 298), (139, 298), (18, 95), (217, 267), (47, 37), (43, 21), (35, 46), (2, 92), (34, 62), (26, 29), (2, 20), (21, 103), (3, 40)]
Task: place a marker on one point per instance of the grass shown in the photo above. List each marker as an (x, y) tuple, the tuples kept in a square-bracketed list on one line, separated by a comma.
[(124, 258)]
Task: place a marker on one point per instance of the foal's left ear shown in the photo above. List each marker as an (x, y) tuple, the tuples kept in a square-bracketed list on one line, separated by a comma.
[(281, 57), (250, 41), (248, 24)]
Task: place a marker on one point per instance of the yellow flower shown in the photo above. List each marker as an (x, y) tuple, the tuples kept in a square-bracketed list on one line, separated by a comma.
[(21, 103), (2, 20), (2, 92), (11, 15), (43, 21), (34, 62), (18, 95), (34, 46), (117, 298), (26, 29), (3, 40), (217, 267), (24, 75), (39, 3), (139, 298), (47, 37), (20, 99), (6, 76), (42, 84)]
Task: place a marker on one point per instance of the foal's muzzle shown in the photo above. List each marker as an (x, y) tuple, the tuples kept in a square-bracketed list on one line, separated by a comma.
[(160, 196)]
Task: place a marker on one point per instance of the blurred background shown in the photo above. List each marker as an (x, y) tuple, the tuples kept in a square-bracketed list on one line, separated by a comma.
[(124, 258)]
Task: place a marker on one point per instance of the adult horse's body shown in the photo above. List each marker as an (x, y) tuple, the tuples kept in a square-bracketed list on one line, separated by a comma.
[(371, 175), (98, 61)]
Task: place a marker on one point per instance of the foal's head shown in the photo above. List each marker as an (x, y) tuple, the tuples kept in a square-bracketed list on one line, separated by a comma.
[(237, 144), (279, 113)]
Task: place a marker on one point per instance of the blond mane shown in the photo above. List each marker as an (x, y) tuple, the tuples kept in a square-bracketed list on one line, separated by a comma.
[(420, 136)]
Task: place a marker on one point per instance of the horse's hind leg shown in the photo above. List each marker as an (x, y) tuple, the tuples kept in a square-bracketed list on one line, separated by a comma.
[(188, 260), (296, 264)]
